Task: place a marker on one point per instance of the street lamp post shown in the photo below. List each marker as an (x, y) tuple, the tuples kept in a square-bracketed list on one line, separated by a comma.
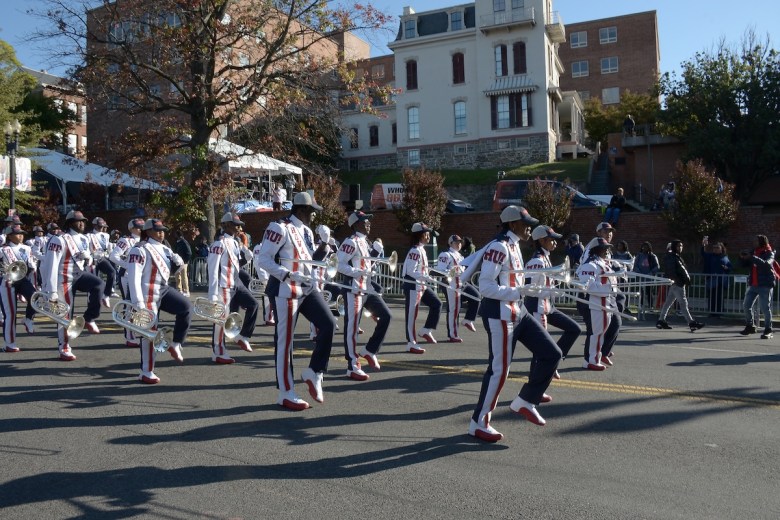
[(12, 131)]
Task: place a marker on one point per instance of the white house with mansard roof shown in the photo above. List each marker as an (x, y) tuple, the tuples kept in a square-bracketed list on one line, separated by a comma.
[(478, 86)]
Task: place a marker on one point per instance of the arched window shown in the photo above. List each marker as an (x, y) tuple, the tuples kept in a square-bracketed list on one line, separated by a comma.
[(458, 72)]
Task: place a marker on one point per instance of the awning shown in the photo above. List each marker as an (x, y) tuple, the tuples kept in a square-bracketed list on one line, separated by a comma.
[(240, 158), (510, 85)]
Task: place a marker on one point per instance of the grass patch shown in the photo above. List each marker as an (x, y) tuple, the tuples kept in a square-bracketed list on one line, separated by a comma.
[(575, 169)]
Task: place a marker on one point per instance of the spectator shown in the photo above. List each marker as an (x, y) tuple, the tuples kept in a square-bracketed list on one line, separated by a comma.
[(574, 250), (646, 262), (716, 266), (183, 249), (468, 247), (278, 196), (616, 204), (761, 282), (666, 197), (629, 126), (202, 252), (674, 268)]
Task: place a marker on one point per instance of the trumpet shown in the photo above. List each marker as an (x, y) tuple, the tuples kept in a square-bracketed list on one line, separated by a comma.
[(330, 264), (391, 261), (454, 272), (141, 321), (257, 288), (360, 291), (215, 313), (58, 312), (14, 271)]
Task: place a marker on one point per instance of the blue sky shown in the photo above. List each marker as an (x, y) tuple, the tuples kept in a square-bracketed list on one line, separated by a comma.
[(685, 26)]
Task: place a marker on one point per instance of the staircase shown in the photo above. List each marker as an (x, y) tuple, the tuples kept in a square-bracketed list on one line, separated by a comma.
[(599, 180)]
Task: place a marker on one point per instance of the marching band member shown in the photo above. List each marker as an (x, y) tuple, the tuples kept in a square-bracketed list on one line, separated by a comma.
[(63, 272), (150, 263), (541, 307), (118, 256), (262, 275), (37, 245), (601, 293), (415, 271), (291, 289), (14, 251), (448, 261), (225, 286), (324, 246), (101, 246), (354, 263), (507, 322)]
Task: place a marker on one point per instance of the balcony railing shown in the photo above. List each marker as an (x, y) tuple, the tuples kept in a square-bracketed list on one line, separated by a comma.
[(555, 28), (506, 19)]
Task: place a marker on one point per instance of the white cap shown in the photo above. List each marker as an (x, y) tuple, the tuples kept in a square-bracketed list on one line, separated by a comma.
[(513, 213), (231, 217), (358, 216), (420, 226), (540, 232), (304, 199)]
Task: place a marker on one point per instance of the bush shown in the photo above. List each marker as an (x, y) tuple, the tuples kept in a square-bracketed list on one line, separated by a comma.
[(424, 199), (550, 205)]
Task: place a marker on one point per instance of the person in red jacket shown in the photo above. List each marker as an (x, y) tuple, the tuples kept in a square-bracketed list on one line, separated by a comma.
[(761, 283)]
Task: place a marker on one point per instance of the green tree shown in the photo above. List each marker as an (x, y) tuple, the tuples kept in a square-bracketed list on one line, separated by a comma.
[(327, 193), (601, 120), (206, 68), (550, 205), (704, 204), (424, 198), (726, 108)]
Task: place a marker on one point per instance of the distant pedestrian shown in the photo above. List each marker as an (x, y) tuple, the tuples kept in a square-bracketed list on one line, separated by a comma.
[(674, 268), (761, 283), (717, 267), (183, 249), (616, 204), (629, 126)]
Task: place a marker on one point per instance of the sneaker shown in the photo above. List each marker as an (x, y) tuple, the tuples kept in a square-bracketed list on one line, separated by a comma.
[(767, 334), (455, 340), (484, 433), (527, 410), (243, 343), (556, 375), (223, 360), (470, 325), (427, 335), (115, 294), (598, 367), (371, 359), (661, 324), (606, 361), (414, 348), (360, 331), (105, 301), (314, 381), (357, 374), (291, 401), (92, 327), (29, 326), (749, 329), (175, 351), (148, 378), (695, 325), (11, 349), (66, 354), (546, 398)]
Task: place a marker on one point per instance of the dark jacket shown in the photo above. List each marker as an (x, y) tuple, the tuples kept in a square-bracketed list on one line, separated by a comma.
[(203, 250), (761, 271), (674, 268), (715, 264), (646, 263), (183, 249)]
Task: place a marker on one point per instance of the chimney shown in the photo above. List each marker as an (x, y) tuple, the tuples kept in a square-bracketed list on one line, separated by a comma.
[(408, 10)]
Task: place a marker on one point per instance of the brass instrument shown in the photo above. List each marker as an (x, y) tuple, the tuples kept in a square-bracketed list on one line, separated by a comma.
[(58, 312), (391, 261), (257, 288), (329, 264), (14, 271), (215, 312), (141, 321)]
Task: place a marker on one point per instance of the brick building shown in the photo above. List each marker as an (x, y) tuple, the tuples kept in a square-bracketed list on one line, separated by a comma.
[(603, 58)]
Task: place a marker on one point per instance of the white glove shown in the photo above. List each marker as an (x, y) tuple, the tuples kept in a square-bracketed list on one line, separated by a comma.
[(324, 232), (214, 298), (299, 278), (378, 247), (54, 297), (177, 260)]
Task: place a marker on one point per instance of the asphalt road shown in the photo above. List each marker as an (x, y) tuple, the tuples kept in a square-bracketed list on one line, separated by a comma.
[(685, 425)]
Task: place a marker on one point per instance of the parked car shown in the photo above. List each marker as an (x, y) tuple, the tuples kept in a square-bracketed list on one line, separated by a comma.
[(512, 191), (457, 206)]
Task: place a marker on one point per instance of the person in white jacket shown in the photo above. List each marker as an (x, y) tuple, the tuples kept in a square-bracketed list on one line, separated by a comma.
[(118, 256), (450, 262), (417, 289), (14, 251), (286, 253)]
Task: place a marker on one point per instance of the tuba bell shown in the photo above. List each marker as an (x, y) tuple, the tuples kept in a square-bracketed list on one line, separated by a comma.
[(215, 312), (14, 271), (256, 288), (58, 312), (141, 321)]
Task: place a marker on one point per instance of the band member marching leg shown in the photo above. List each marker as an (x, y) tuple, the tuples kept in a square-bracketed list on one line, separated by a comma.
[(541, 307), (118, 256), (355, 263), (64, 272), (450, 262), (18, 255), (150, 264), (415, 272), (224, 265), (601, 291), (507, 322), (286, 254), (101, 246)]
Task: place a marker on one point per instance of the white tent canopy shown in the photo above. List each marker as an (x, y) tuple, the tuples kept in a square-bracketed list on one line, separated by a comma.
[(243, 162), (65, 169)]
